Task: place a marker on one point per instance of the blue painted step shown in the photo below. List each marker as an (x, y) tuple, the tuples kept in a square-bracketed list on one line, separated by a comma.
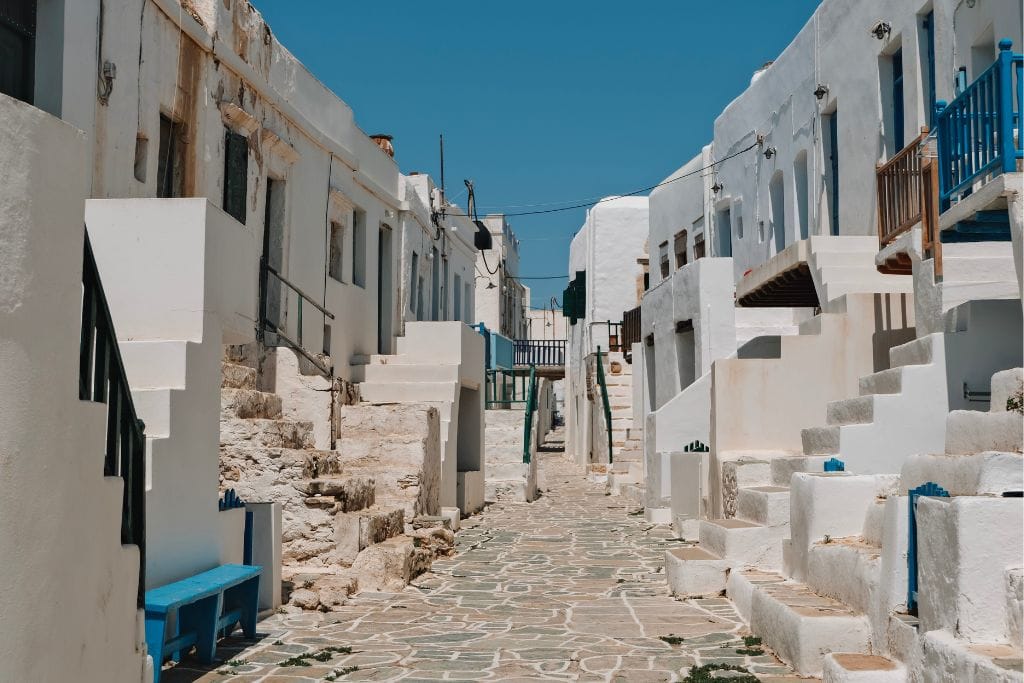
[(985, 226)]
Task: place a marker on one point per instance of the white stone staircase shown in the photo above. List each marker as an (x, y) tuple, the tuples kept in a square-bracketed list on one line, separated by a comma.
[(846, 265), (508, 477), (347, 514), (413, 375)]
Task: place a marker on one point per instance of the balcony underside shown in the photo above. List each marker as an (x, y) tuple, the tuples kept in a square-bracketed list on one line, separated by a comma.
[(793, 287)]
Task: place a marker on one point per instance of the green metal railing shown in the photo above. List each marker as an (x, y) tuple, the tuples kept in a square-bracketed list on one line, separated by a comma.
[(507, 388), (531, 408), (604, 400)]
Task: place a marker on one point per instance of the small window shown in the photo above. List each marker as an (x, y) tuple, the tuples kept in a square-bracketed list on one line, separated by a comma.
[(170, 167), (419, 297), (141, 157), (336, 268), (457, 297), (666, 267), (412, 280), (359, 248), (698, 247), (467, 302), (236, 174), (679, 247)]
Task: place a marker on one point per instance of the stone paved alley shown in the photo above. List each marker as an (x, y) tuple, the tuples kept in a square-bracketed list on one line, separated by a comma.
[(570, 587)]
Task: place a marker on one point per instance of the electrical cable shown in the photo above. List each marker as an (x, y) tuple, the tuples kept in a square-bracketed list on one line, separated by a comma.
[(584, 204)]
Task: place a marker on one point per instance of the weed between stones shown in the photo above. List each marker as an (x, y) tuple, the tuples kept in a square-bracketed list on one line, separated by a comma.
[(320, 655), (752, 652), (344, 671), (751, 641), (671, 639), (703, 674)]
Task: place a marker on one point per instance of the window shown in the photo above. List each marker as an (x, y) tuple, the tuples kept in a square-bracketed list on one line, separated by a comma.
[(800, 190), (419, 297), (170, 167), (236, 174), (831, 125), (435, 284), (723, 228), (444, 288), (359, 248), (467, 301), (413, 274), (679, 247), (17, 48), (457, 298), (336, 266), (777, 210), (926, 48), (897, 100), (663, 259), (698, 246)]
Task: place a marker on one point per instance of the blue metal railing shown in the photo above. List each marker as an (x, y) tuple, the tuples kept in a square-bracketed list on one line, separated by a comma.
[(975, 132), (498, 349), (928, 489)]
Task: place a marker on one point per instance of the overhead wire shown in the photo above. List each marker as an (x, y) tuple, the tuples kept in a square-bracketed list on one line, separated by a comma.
[(585, 203)]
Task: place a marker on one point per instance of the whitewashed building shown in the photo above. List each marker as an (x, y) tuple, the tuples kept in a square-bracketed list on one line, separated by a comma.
[(243, 224), (501, 298), (833, 320)]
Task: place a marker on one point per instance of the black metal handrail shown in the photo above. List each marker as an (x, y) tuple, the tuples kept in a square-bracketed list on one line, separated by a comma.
[(543, 352), (266, 325), (101, 378)]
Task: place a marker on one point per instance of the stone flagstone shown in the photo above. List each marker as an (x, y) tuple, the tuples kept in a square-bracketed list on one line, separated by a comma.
[(568, 588)]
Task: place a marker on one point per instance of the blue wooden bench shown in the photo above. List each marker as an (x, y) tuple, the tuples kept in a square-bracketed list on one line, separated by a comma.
[(206, 605)]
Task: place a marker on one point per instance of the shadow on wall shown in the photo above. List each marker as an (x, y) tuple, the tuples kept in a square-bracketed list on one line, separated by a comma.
[(886, 334)]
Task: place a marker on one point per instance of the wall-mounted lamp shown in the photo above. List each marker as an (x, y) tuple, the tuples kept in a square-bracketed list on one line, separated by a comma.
[(717, 187), (770, 152), (881, 29), (820, 91), (490, 285)]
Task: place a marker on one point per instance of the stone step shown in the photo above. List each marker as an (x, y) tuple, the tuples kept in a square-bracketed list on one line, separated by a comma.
[(783, 468), (764, 505), (234, 376), (958, 659), (799, 626), (885, 382), (915, 352), (847, 570), (391, 565), (505, 471), (851, 411), (267, 433), (622, 473), (356, 531), (509, 453), (971, 431), (339, 493), (249, 404), (409, 372), (744, 543), (820, 440), (632, 493), (976, 474), (408, 392), (860, 259), (854, 667), (695, 571)]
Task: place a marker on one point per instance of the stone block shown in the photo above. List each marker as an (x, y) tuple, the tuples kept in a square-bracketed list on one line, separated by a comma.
[(695, 571), (854, 667)]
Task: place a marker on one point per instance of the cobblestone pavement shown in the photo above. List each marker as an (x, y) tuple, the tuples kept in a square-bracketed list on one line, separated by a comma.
[(569, 588)]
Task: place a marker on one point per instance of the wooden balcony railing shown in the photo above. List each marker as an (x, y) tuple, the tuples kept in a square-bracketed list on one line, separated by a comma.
[(899, 191), (631, 328)]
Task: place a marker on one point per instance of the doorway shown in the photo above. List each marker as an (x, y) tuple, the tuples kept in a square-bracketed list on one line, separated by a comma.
[(384, 290), (273, 253)]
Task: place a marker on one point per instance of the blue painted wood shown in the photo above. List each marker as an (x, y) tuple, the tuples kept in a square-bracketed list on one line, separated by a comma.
[(835, 465), (927, 489), (207, 605), (695, 446), (897, 100), (247, 539), (928, 24), (975, 132), (230, 501)]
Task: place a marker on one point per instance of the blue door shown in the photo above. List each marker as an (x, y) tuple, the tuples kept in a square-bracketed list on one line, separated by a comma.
[(897, 101), (833, 159), (928, 26)]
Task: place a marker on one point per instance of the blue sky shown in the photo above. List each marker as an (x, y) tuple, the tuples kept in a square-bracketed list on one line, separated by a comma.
[(539, 101)]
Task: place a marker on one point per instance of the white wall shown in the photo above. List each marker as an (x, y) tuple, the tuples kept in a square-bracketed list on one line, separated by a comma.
[(501, 308), (67, 585)]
